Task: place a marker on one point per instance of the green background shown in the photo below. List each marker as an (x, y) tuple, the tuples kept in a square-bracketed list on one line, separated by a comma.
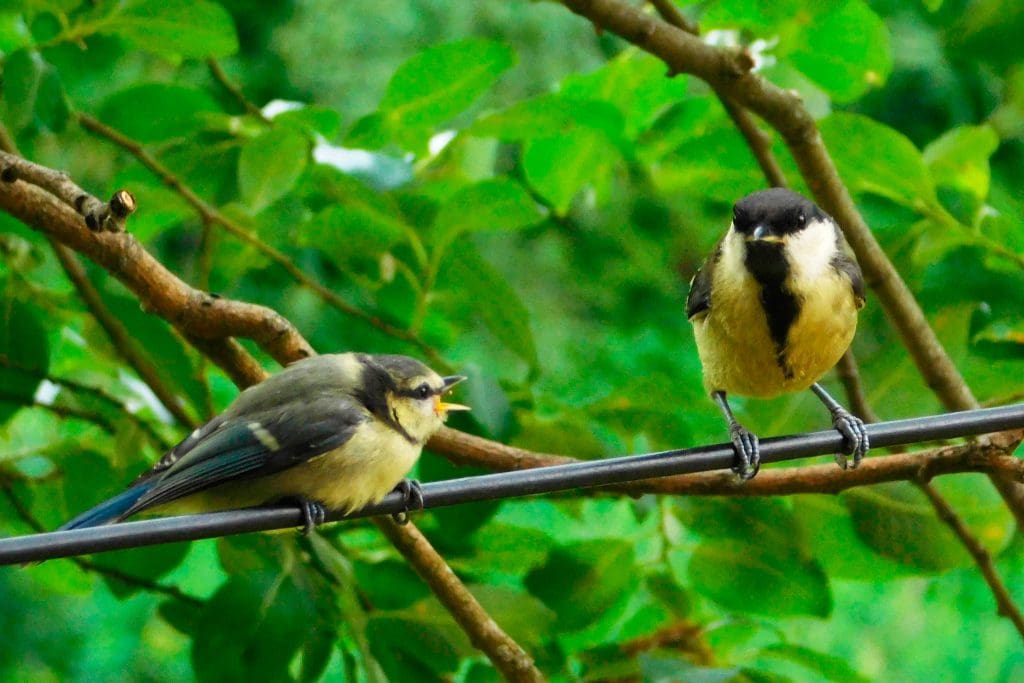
[(544, 251)]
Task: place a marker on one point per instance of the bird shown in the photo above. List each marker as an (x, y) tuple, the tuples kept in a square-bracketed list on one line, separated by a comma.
[(333, 431), (773, 308)]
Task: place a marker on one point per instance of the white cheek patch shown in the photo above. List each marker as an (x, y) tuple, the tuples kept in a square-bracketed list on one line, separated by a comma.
[(731, 268), (811, 250)]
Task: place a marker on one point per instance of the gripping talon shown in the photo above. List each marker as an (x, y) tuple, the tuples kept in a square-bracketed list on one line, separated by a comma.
[(313, 514), (855, 437), (748, 452), (412, 499)]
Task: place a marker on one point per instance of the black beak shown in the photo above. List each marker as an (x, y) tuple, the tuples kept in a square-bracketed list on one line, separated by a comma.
[(451, 381)]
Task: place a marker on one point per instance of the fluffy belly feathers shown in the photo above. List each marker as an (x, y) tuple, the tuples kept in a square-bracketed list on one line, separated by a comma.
[(737, 353)]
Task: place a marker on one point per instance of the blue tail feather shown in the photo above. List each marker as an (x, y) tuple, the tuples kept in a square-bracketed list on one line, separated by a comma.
[(109, 510)]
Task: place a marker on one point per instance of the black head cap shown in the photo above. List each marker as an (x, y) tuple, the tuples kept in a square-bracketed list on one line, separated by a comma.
[(780, 210)]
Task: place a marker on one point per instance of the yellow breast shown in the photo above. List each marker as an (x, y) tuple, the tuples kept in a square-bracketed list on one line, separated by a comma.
[(735, 345)]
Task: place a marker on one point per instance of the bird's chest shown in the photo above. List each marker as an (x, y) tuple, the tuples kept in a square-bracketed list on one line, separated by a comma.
[(759, 342), (364, 470)]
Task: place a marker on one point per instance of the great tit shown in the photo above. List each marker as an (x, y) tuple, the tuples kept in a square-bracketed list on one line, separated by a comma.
[(334, 431), (773, 309)]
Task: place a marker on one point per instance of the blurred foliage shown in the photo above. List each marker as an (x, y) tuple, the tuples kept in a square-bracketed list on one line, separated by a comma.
[(528, 198)]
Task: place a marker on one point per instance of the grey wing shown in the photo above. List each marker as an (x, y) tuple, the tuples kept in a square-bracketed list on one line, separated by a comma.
[(699, 298), (846, 265), (255, 445)]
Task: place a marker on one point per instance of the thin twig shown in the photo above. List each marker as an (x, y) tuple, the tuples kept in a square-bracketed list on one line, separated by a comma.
[(101, 395), (758, 141), (69, 413), (120, 338), (849, 375), (236, 92), (508, 657), (210, 214), (1005, 605)]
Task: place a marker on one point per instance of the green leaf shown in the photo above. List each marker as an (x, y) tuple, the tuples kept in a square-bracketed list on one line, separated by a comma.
[(175, 28), (874, 158), (175, 366), (349, 233), (442, 81), (959, 158), (311, 119), (497, 204), (417, 644), (560, 167), (844, 62), (153, 112), (550, 116), (270, 165), (581, 582), (357, 223), (525, 618), (250, 629), (32, 92), (898, 521), (760, 578), (496, 303), (24, 347), (633, 82), (840, 550), (827, 667), (817, 39), (1000, 338)]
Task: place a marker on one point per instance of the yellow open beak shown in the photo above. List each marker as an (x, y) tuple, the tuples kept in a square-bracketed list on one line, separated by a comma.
[(441, 408)]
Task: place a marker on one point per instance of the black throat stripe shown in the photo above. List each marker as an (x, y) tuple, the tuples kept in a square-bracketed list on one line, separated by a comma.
[(769, 267)]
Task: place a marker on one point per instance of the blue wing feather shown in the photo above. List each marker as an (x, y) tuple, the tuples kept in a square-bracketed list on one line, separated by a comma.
[(109, 510)]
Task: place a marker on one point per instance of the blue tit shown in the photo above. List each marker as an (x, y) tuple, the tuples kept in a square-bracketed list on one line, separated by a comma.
[(773, 309), (335, 432)]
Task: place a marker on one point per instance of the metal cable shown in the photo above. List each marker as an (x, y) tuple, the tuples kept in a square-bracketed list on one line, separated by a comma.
[(36, 547)]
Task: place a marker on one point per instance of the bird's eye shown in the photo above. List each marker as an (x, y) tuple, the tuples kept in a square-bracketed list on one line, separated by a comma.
[(801, 218), (423, 390)]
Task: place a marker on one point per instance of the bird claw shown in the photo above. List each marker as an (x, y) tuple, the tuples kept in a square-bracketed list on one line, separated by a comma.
[(748, 452), (412, 499), (313, 514), (855, 437)]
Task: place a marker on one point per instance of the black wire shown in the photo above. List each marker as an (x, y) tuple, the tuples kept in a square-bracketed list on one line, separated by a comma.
[(36, 547)]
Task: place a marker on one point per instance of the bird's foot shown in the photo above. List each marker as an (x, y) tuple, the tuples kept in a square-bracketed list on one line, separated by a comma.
[(855, 437), (412, 499), (313, 514), (748, 452)]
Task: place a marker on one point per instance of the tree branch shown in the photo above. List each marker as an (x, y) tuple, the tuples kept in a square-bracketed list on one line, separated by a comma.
[(728, 71), (211, 215), (209, 322), (758, 141), (236, 92), (195, 314), (985, 455), (849, 375), (1005, 606), (507, 656), (120, 338)]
